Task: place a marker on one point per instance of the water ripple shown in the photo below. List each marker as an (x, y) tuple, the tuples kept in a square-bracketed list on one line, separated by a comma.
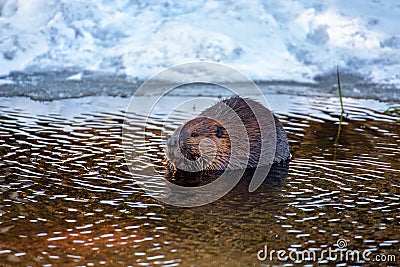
[(67, 197)]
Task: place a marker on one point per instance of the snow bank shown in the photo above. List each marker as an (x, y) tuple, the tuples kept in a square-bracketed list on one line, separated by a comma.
[(298, 41)]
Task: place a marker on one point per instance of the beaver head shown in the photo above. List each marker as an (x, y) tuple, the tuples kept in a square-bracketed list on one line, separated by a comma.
[(201, 143)]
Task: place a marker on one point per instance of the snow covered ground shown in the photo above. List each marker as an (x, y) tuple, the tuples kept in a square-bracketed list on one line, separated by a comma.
[(299, 41)]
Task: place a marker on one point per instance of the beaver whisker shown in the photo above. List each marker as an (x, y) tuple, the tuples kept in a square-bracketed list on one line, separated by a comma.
[(210, 152)]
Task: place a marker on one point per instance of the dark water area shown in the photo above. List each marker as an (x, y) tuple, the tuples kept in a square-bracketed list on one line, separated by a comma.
[(67, 197)]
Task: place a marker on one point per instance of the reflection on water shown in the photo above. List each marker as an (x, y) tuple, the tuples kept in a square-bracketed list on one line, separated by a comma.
[(68, 199)]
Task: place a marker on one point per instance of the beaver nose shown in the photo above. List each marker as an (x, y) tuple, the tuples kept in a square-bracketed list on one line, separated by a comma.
[(173, 141)]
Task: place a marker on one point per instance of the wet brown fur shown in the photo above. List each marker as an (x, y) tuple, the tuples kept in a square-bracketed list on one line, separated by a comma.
[(195, 130)]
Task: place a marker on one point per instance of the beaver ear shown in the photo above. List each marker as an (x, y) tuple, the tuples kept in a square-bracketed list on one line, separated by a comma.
[(219, 132)]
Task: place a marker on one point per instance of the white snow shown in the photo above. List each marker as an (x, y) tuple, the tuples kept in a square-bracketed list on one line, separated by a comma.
[(75, 77), (6, 81), (267, 40)]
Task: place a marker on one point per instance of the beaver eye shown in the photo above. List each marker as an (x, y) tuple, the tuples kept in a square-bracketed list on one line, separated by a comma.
[(194, 134), (219, 132)]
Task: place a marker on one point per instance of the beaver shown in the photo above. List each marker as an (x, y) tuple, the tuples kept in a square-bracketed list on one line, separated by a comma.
[(203, 143)]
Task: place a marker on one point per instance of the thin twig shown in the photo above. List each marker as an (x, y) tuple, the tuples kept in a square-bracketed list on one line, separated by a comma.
[(342, 107), (340, 89)]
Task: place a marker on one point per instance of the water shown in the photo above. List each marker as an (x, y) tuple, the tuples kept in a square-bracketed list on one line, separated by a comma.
[(68, 199)]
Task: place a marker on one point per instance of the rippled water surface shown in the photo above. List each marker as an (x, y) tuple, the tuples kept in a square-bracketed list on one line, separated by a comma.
[(68, 199)]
